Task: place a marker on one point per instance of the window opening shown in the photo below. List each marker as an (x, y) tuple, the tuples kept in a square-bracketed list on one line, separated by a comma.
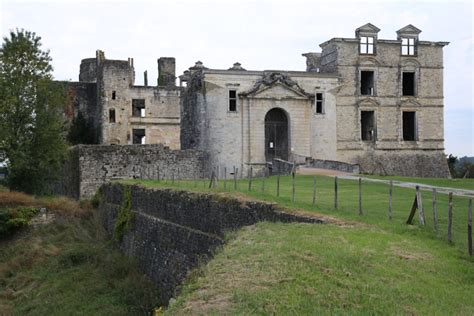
[(367, 122), (409, 126), (367, 83), (138, 136), (232, 100), (138, 107)]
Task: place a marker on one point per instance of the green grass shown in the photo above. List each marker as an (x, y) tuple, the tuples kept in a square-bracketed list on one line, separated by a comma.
[(304, 269), (70, 268), (467, 184), (374, 202)]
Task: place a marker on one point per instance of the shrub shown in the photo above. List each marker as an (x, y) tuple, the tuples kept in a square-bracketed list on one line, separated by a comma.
[(13, 219), (125, 216)]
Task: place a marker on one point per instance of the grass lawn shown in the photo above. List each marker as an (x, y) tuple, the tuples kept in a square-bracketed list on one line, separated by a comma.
[(467, 184), (68, 267), (375, 203), (366, 265), (304, 269)]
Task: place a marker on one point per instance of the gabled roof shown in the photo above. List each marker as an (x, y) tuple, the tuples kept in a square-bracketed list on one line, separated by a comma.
[(409, 29), (367, 28)]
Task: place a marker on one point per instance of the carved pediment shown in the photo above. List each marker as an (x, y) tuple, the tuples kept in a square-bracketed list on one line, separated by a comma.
[(409, 103), (409, 30), (368, 28), (276, 84), (368, 102)]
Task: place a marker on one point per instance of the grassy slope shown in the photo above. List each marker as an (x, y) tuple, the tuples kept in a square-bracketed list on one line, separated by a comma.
[(323, 269), (69, 268), (379, 266), (449, 183)]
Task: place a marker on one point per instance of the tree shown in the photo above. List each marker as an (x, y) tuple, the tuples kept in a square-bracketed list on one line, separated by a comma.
[(31, 121), (452, 161)]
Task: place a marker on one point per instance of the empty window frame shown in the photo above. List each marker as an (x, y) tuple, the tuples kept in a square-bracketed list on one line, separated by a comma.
[(138, 136), (114, 95), (138, 107), (409, 126), (367, 82), (408, 84), (366, 45), (408, 46), (319, 103), (232, 100), (367, 125), (111, 115)]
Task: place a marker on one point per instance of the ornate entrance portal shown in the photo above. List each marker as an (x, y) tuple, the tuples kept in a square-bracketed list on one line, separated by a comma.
[(276, 135)]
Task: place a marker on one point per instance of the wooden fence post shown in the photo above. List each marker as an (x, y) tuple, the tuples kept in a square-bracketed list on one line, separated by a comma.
[(450, 216), (195, 179), (360, 196), (263, 179), (235, 178), (225, 178), (172, 178), (293, 185), (314, 190), (158, 171), (278, 185), (211, 182), (421, 212), (390, 193), (469, 228), (335, 192), (250, 178), (435, 213)]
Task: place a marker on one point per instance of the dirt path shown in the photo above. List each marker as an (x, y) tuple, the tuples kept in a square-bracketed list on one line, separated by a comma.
[(411, 185)]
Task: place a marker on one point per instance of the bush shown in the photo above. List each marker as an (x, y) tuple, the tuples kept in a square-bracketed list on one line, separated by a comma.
[(13, 219)]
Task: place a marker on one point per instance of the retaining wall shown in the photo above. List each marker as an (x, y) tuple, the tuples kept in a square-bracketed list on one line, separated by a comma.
[(173, 232)]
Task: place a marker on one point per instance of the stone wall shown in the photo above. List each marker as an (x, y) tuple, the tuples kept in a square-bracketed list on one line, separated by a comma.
[(333, 165), (90, 166), (173, 232), (413, 164)]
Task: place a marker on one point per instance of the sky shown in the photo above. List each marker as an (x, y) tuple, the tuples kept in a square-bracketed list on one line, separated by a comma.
[(258, 34)]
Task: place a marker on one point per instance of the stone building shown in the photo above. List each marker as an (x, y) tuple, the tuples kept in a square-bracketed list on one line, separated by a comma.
[(373, 102), (121, 112), (364, 100)]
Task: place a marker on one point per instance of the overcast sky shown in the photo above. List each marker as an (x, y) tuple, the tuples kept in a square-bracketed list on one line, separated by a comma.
[(259, 34)]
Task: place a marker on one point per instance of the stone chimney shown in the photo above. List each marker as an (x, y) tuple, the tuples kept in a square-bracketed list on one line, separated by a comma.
[(166, 72)]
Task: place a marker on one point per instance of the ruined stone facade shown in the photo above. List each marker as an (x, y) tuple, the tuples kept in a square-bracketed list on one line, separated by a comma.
[(362, 100), (373, 102), (121, 112), (90, 166)]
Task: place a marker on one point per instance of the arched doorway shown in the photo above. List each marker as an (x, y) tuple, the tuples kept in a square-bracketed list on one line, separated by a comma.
[(276, 135)]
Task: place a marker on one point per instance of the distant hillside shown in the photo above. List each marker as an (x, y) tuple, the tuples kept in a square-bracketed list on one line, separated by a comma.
[(464, 159)]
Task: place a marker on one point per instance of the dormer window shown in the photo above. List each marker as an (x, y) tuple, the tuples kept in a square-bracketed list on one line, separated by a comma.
[(408, 46), (366, 45)]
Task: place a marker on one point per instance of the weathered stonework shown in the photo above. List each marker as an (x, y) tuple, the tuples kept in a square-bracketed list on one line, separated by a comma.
[(90, 166), (238, 138), (105, 94), (243, 118), (173, 232)]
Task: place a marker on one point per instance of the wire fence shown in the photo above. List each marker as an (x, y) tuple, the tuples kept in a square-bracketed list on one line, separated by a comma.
[(443, 215)]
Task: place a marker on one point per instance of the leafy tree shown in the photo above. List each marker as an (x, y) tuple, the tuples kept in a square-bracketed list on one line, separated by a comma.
[(81, 131), (31, 121)]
